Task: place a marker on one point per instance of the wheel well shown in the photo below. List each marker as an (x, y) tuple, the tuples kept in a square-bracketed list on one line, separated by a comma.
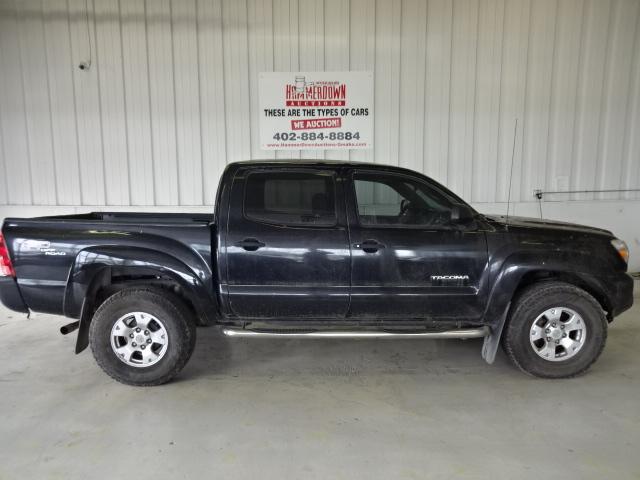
[(113, 279), (538, 276), (122, 281)]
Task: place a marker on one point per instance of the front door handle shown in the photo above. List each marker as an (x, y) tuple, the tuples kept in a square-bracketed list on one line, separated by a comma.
[(369, 246), (250, 244)]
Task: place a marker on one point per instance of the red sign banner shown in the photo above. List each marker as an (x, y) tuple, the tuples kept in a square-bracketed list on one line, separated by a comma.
[(310, 123)]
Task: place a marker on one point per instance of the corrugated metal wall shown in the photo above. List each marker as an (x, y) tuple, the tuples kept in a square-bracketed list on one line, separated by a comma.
[(171, 93)]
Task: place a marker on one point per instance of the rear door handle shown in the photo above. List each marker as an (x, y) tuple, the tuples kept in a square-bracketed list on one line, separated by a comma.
[(369, 246), (250, 244)]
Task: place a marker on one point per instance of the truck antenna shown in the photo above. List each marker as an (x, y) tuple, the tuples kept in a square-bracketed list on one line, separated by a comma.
[(513, 152)]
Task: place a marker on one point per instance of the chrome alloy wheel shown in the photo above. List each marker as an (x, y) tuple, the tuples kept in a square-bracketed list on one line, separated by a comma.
[(139, 339), (558, 334)]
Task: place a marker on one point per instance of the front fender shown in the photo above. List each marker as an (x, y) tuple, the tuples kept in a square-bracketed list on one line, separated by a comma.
[(508, 276)]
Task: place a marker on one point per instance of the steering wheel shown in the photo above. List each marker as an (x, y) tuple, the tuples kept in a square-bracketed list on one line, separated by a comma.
[(420, 216)]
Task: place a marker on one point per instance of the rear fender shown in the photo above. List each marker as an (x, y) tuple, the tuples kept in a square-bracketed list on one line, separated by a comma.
[(95, 267)]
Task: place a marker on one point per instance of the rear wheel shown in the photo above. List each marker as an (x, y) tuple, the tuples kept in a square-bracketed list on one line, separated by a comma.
[(142, 336), (555, 330)]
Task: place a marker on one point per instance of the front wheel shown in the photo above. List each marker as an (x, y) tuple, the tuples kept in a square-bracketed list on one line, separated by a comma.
[(555, 330), (142, 336)]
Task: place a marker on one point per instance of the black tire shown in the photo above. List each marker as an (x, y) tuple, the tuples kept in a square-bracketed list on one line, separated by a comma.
[(531, 303), (176, 318)]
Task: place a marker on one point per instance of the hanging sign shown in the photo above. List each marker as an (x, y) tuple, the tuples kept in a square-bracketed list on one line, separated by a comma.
[(316, 110)]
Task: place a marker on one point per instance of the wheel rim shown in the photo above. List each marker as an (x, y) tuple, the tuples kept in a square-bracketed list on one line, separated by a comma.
[(139, 339), (557, 334)]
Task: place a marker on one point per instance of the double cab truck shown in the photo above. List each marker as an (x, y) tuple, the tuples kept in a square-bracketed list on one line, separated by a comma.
[(309, 249)]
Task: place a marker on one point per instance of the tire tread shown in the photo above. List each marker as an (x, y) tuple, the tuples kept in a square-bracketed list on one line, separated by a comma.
[(166, 300)]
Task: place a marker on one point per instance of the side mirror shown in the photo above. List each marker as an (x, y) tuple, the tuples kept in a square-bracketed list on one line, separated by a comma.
[(461, 213)]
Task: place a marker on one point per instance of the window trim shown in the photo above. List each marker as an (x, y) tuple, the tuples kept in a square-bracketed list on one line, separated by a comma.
[(328, 173), (354, 172)]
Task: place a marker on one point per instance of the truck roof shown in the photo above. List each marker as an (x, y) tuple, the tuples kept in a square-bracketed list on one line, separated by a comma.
[(309, 161)]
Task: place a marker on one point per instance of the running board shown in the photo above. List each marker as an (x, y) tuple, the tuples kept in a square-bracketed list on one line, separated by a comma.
[(459, 333)]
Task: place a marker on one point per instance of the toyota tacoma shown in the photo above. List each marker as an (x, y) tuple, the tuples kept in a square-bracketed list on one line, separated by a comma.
[(307, 249)]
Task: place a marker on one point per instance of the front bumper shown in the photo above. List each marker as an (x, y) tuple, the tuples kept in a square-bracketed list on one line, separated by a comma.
[(10, 295), (620, 293)]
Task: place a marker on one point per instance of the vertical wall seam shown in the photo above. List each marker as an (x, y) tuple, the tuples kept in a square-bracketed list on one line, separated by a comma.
[(3, 152), (224, 84), (125, 102), (53, 149), (599, 173), (248, 58), (578, 101), (525, 104), (273, 37), (469, 171), (451, 58), (75, 106), (203, 180), (551, 117), (97, 62), (499, 119), (425, 87), (175, 105), (634, 70), (397, 81), (151, 133), (24, 104)]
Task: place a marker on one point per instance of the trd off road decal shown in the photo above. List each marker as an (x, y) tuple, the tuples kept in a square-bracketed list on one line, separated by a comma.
[(316, 110)]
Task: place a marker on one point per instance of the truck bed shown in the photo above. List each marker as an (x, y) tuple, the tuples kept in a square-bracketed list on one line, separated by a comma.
[(47, 251)]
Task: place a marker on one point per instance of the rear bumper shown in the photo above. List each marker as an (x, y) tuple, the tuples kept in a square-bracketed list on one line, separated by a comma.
[(10, 295)]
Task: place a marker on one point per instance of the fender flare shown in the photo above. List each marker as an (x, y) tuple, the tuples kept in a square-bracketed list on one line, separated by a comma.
[(94, 267), (509, 278)]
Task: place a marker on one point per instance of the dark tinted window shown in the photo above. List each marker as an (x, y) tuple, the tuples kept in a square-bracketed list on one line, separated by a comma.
[(291, 198), (392, 200)]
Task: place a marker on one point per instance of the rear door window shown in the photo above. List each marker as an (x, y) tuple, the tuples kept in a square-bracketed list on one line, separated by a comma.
[(291, 198)]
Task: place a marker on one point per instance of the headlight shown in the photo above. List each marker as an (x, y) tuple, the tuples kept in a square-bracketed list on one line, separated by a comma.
[(622, 249)]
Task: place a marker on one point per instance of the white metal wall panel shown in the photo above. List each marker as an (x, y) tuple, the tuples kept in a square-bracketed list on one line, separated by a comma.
[(62, 102), (13, 124), (171, 93), (87, 104), (162, 100), (137, 109), (212, 100), (35, 82)]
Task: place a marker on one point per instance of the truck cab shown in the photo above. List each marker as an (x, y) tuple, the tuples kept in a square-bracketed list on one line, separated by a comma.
[(348, 242)]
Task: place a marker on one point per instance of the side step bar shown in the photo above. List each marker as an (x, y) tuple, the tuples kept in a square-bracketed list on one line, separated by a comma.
[(459, 333)]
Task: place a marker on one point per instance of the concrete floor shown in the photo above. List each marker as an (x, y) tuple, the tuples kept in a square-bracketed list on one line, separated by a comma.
[(258, 408)]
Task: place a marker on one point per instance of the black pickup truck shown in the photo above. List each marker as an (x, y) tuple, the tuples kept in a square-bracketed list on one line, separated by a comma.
[(310, 249)]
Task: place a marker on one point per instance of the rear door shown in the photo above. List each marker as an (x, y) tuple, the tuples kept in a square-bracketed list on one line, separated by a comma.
[(408, 259), (287, 244)]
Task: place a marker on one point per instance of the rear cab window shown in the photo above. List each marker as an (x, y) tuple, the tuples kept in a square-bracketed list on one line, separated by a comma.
[(291, 198)]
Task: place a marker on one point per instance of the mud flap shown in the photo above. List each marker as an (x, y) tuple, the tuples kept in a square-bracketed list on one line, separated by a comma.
[(82, 340), (491, 341)]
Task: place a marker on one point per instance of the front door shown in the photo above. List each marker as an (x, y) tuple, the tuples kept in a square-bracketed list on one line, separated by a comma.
[(408, 259), (287, 244)]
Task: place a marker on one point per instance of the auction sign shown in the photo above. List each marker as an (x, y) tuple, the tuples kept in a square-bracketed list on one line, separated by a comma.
[(316, 110)]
